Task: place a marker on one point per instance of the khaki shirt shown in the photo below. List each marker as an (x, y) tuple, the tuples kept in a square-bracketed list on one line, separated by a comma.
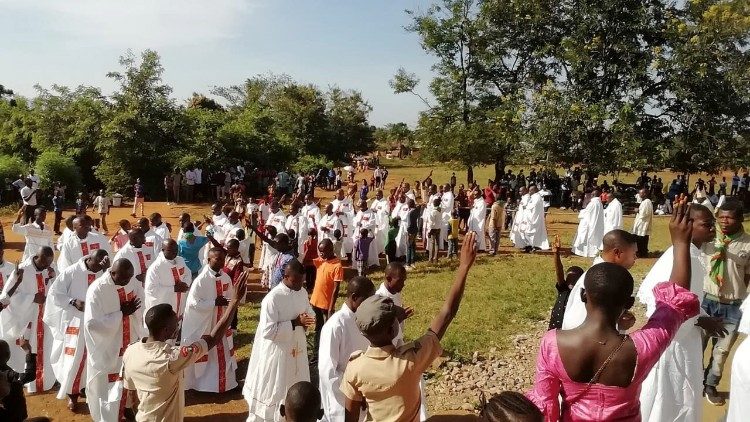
[(737, 268), (154, 370), (388, 378), (496, 216)]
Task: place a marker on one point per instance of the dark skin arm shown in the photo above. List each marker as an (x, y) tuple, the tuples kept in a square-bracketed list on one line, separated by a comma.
[(559, 271), (680, 230), (220, 328), (272, 243), (443, 319), (332, 306)]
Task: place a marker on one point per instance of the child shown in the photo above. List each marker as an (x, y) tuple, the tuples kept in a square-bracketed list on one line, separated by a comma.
[(434, 221), (337, 243), (302, 403), (453, 234), (13, 404), (81, 205), (121, 237), (390, 244), (362, 251), (309, 253), (564, 284), (509, 406)]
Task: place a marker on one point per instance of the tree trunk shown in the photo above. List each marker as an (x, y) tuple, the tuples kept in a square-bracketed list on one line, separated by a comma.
[(469, 175), (499, 168)]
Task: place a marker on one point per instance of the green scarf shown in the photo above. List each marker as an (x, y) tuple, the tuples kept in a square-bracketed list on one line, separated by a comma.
[(719, 258)]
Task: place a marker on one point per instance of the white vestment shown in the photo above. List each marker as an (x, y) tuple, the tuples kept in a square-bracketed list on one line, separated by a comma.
[(278, 220), (520, 223), (75, 248), (215, 371), (108, 333), (6, 271), (66, 233), (279, 356), (536, 229), (446, 205), (153, 241), (332, 223), (590, 230), (294, 222), (161, 278), (382, 218), (476, 222), (339, 338), (613, 216), (575, 309), (739, 406), (367, 220), (642, 223), (425, 213), (162, 231), (401, 210), (141, 258), (673, 390), (346, 210), (68, 355), (23, 318), (309, 219), (36, 237)]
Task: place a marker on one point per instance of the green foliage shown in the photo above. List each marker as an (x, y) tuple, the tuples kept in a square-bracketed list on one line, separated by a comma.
[(53, 167), (311, 163), (11, 167)]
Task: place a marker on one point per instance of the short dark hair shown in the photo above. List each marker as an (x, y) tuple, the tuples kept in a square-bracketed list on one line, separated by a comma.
[(158, 316), (608, 285), (735, 207), (510, 406)]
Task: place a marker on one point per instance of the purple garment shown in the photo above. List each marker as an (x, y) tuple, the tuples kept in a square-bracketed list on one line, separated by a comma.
[(362, 249)]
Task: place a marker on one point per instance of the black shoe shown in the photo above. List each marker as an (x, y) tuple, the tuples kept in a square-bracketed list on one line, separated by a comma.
[(713, 396)]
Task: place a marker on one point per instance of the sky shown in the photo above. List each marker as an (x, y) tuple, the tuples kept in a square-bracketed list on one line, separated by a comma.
[(354, 44)]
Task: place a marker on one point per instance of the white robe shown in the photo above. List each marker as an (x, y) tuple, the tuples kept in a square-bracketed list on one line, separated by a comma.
[(476, 222), (68, 356), (739, 407), (673, 390), (162, 231), (161, 278), (367, 220), (575, 309), (446, 205), (278, 220), (141, 258), (294, 222), (36, 237), (536, 229), (215, 371), (153, 241), (642, 223), (332, 223), (279, 356), (6, 271), (108, 333), (66, 233), (590, 230), (346, 209), (309, 219), (401, 210), (23, 318), (75, 248), (613, 216), (339, 338), (382, 218), (518, 228), (425, 214)]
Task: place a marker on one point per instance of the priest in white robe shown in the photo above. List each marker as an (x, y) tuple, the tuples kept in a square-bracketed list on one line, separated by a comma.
[(6, 271), (294, 222), (590, 228), (168, 280), (63, 313), (477, 217), (207, 301), (447, 201), (343, 207), (37, 234), (739, 386), (520, 223), (279, 356), (428, 207), (673, 390), (152, 239), (613, 214), (23, 317), (112, 320), (536, 229), (365, 219), (382, 210), (339, 338), (401, 210), (137, 253), (329, 223), (80, 243), (642, 222), (276, 218), (159, 227), (310, 214)]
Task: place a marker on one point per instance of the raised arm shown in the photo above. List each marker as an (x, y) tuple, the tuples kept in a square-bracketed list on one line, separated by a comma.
[(220, 328), (450, 307), (680, 229), (559, 271), (272, 243)]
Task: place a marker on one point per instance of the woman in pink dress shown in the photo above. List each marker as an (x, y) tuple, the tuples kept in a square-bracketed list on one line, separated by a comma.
[(598, 371)]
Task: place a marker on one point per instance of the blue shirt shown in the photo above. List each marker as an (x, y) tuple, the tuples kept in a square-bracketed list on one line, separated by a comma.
[(279, 267), (189, 252), (57, 203)]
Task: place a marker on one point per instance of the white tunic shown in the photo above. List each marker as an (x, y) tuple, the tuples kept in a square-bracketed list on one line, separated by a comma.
[(642, 223), (278, 220), (476, 222), (215, 372), (153, 241), (401, 210), (36, 237), (294, 222), (6, 271), (141, 257), (613, 216), (162, 231), (446, 205), (339, 338), (382, 218), (279, 356), (161, 278), (739, 408), (367, 220), (75, 248), (309, 219), (332, 223), (536, 229), (346, 210), (520, 223), (590, 229), (575, 309)]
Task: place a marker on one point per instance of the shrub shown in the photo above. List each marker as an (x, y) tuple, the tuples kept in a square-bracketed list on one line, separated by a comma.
[(309, 163), (52, 166), (10, 168)]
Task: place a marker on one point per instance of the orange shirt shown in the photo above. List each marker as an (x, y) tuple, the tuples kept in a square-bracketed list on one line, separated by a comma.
[(328, 272)]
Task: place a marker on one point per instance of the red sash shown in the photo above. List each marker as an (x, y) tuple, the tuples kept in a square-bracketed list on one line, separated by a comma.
[(177, 279), (141, 261), (40, 287), (220, 352), (84, 248)]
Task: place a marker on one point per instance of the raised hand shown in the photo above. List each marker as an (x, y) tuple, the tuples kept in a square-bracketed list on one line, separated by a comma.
[(469, 250), (221, 301), (24, 344), (408, 312), (241, 288), (556, 244), (680, 225)]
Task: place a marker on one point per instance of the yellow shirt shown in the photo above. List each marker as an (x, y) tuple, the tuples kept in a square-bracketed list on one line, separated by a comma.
[(454, 228), (387, 378)]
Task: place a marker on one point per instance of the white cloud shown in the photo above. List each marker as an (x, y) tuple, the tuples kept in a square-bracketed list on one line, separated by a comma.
[(137, 23)]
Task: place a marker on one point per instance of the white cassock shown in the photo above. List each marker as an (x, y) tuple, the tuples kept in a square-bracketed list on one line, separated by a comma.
[(536, 229), (310, 220), (219, 220), (162, 231), (6, 271), (382, 216), (673, 390), (294, 222), (642, 223), (108, 333), (68, 355), (215, 371), (401, 210), (446, 205), (36, 237), (141, 258), (339, 338), (739, 408), (575, 309), (332, 223), (153, 241), (590, 229), (161, 278), (706, 203), (278, 220), (74, 248), (476, 222), (425, 213), (518, 228), (66, 233), (613, 216), (267, 261), (265, 210), (398, 341), (367, 220), (346, 209), (23, 318), (279, 356)]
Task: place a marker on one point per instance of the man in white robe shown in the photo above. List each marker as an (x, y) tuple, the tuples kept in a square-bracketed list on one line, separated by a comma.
[(112, 320), (294, 222), (137, 253), (36, 233), (310, 214), (673, 390), (329, 223), (279, 356), (168, 280), (63, 313), (340, 338), (739, 386), (277, 218), (428, 207), (207, 301), (365, 219), (80, 243), (590, 228), (151, 239), (6, 271), (477, 217), (536, 229), (447, 200), (23, 317), (342, 207), (401, 210), (159, 227), (612, 214), (382, 210), (642, 223), (520, 223)]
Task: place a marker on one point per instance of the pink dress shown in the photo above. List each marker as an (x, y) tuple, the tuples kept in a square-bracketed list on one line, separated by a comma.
[(674, 305)]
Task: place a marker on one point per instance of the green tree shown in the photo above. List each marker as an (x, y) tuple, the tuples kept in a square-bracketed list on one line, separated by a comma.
[(53, 167), (16, 129)]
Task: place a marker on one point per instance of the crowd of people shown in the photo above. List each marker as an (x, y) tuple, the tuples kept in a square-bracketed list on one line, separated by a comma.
[(137, 318)]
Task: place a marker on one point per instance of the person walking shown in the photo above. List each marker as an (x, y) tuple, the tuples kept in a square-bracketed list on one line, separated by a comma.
[(138, 197)]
